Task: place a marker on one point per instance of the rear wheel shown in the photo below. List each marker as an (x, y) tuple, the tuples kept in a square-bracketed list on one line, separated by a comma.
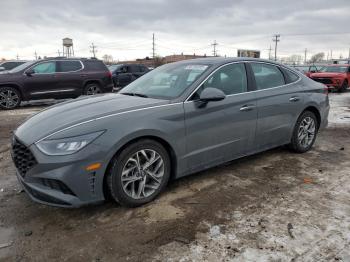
[(139, 173), (10, 98), (305, 131), (92, 89)]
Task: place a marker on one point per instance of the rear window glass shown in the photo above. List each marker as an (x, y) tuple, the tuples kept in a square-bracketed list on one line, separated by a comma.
[(290, 76), (267, 76), (69, 66), (95, 65)]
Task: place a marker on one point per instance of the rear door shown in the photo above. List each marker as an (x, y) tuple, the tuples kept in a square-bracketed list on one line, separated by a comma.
[(42, 83), (69, 77), (222, 130), (279, 101)]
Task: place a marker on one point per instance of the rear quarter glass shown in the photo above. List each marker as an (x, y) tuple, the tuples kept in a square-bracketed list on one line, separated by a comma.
[(95, 66)]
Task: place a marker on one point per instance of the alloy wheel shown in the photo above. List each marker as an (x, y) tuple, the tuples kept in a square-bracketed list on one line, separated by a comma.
[(93, 90), (8, 99), (142, 174), (306, 132)]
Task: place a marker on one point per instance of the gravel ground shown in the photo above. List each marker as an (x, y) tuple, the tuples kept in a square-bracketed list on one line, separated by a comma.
[(273, 206)]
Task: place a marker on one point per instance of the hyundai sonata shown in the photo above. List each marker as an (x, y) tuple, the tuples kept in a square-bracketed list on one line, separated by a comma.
[(176, 120)]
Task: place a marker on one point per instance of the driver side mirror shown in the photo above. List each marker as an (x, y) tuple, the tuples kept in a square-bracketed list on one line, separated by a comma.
[(30, 72), (312, 71), (211, 94)]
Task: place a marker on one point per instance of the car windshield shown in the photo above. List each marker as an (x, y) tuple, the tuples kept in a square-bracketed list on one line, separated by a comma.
[(21, 67), (334, 69), (166, 82), (113, 67)]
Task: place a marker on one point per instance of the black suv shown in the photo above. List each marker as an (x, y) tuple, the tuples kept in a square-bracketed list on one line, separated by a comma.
[(124, 74), (54, 78), (9, 65)]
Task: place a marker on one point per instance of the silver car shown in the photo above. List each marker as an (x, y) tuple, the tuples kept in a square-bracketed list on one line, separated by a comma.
[(176, 120)]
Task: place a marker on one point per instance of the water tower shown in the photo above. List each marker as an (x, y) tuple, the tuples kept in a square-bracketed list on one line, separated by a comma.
[(68, 50)]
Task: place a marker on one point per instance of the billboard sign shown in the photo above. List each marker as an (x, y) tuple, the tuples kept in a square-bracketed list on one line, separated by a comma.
[(248, 53)]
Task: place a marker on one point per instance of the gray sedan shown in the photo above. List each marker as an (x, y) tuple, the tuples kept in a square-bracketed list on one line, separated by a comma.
[(178, 119)]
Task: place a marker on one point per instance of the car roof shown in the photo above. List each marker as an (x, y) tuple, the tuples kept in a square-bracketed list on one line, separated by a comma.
[(224, 60)]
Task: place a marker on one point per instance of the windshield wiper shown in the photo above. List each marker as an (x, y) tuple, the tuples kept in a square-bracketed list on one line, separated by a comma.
[(134, 94)]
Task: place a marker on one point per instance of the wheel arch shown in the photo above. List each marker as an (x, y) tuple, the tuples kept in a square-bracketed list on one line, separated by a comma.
[(314, 110), (17, 87), (162, 141)]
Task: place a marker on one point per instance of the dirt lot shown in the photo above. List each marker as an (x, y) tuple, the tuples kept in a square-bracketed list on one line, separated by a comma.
[(274, 206)]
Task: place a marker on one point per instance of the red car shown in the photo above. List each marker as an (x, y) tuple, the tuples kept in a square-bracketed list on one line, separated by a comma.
[(334, 76)]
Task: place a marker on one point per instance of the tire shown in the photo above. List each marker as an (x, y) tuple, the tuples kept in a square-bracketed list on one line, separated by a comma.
[(10, 98), (92, 89), (344, 86), (132, 186), (302, 130)]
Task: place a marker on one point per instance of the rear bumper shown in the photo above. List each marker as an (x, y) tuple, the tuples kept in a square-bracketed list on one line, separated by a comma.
[(108, 88)]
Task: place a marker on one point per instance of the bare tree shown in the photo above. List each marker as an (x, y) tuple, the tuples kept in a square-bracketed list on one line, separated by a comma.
[(108, 59), (317, 57)]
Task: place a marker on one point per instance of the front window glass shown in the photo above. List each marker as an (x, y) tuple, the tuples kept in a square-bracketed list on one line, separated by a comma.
[(168, 81), (267, 76), (334, 69), (45, 68), (231, 79)]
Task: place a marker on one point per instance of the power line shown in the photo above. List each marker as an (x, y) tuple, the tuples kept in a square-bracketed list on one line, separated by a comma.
[(93, 49), (276, 40), (215, 44)]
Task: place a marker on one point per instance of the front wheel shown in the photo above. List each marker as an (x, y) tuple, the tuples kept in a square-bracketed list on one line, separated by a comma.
[(10, 98), (139, 173), (305, 131)]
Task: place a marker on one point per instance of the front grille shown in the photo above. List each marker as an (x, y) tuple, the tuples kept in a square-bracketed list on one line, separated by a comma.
[(22, 157), (323, 80)]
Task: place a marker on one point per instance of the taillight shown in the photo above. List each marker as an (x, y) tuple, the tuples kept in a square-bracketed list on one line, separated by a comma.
[(109, 74)]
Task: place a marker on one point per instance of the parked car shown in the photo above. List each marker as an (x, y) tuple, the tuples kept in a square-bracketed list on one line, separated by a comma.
[(53, 78), (9, 65), (124, 74), (178, 119), (309, 69), (334, 76)]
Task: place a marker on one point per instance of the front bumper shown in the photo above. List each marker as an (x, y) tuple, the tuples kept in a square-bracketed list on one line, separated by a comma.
[(63, 181)]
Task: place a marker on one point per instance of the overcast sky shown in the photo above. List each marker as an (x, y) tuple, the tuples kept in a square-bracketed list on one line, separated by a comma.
[(124, 29)]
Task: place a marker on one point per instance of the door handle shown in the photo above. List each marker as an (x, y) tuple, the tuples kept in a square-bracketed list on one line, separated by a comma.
[(294, 99), (247, 108)]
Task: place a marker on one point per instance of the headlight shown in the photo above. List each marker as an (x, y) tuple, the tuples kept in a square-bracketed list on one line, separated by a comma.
[(66, 146)]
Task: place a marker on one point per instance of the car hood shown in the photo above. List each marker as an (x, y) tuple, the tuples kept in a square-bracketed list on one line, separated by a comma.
[(70, 113), (325, 74)]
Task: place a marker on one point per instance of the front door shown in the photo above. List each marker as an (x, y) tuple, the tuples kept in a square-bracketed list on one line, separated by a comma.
[(42, 83), (222, 130)]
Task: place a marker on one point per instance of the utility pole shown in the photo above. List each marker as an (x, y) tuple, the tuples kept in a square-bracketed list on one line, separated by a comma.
[(17, 56), (349, 54), (215, 44), (331, 54), (59, 53), (270, 49), (93, 49), (36, 55), (276, 40), (305, 56), (153, 47)]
